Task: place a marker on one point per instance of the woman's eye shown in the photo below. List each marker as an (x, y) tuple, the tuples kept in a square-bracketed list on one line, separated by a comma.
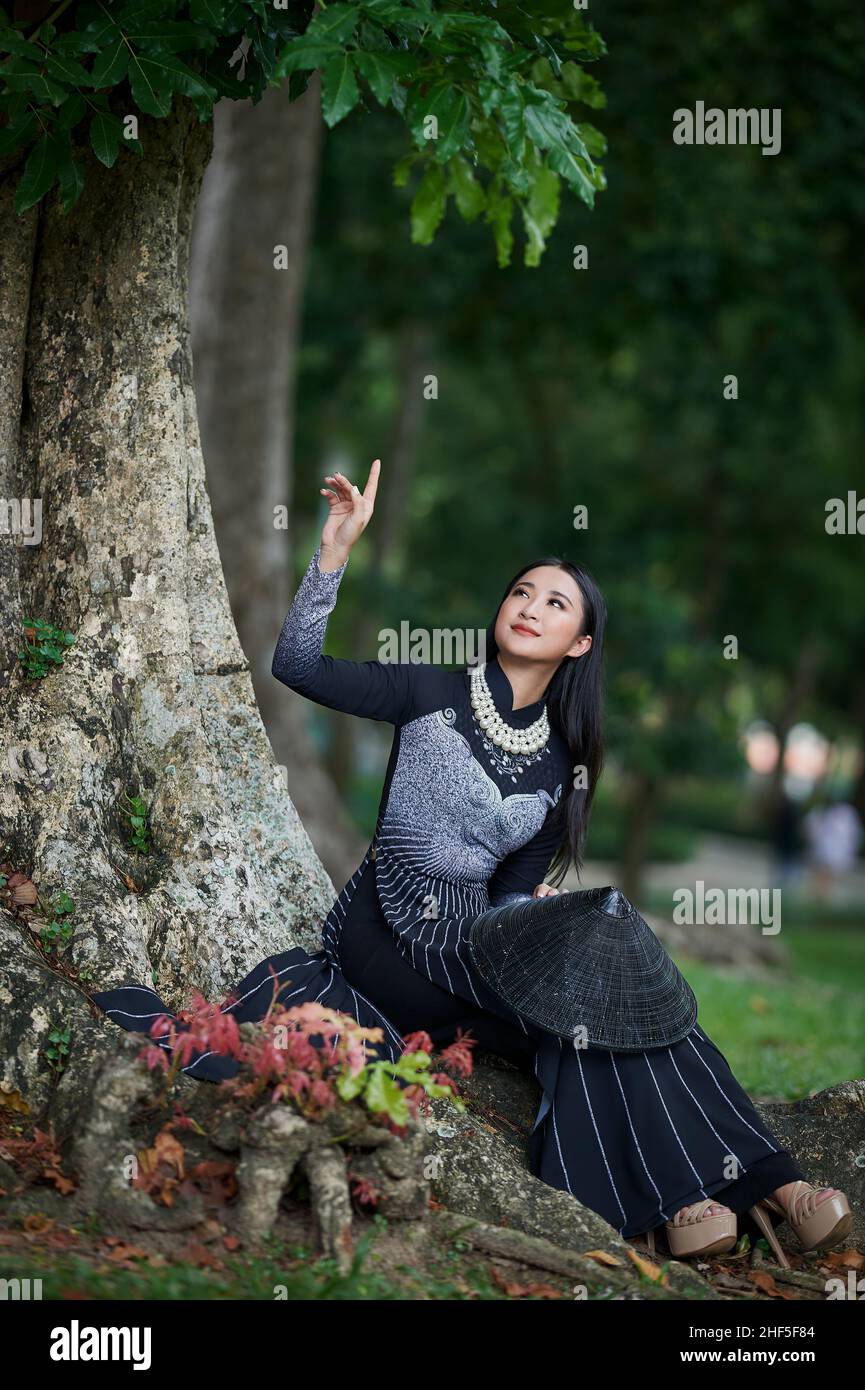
[(521, 590)]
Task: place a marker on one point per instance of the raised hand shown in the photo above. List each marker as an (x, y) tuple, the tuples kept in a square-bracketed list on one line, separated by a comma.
[(349, 514)]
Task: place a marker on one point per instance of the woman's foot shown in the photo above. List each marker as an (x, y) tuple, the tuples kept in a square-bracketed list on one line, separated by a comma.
[(819, 1216), (714, 1210), (703, 1228), (781, 1194)]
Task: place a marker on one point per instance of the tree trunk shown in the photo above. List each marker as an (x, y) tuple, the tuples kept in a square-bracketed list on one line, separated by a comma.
[(155, 695), (639, 822), (259, 193)]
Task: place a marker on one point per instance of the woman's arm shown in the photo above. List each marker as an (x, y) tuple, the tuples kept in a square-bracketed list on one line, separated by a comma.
[(520, 873), (371, 689)]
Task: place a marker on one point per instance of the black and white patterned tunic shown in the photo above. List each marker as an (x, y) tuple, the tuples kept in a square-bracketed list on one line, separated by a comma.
[(463, 825)]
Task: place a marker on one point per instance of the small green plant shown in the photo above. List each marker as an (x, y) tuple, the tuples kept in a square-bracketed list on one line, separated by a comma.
[(378, 1084), (137, 817), (58, 928), (43, 646), (57, 1050)]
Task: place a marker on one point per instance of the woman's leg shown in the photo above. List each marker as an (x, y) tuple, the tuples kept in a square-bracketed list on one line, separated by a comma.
[(637, 1136)]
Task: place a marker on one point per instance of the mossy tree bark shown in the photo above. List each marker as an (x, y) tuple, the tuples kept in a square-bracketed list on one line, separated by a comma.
[(155, 696)]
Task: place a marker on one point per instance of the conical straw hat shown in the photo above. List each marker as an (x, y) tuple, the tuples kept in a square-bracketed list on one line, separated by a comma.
[(586, 966)]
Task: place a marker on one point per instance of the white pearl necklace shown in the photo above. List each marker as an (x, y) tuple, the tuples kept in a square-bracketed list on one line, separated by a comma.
[(505, 735)]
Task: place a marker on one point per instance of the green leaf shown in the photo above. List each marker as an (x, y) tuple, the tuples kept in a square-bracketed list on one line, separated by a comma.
[(378, 74), (184, 80), (581, 86), (339, 90), (304, 53), (403, 168), (546, 123), (512, 109), (39, 174), (450, 107), (551, 57), (106, 134), (574, 170), (112, 63), (17, 133), (73, 42), (165, 35), (67, 70), (70, 113), (383, 1093), (476, 27), (392, 14), (489, 95), (11, 41), (594, 141), (19, 75), (499, 212), (150, 90), (71, 182), (152, 78), (348, 1086), (552, 129), (540, 212), (335, 24), (493, 63), (468, 193), (209, 12), (583, 39), (297, 84), (428, 205), (489, 145), (454, 124), (381, 71)]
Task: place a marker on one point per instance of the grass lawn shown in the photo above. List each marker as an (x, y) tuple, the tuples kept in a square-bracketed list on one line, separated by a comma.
[(798, 1033)]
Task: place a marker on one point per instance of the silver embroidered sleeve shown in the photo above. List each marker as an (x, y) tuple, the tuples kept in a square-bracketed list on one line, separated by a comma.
[(300, 642)]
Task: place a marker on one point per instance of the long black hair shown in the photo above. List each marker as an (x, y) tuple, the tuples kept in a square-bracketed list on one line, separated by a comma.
[(575, 708)]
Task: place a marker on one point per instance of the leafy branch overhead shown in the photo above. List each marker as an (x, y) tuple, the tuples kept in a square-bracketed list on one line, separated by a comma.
[(491, 94)]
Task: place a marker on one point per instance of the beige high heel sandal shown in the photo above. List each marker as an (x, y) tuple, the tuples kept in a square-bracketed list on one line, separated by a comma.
[(692, 1232), (814, 1223)]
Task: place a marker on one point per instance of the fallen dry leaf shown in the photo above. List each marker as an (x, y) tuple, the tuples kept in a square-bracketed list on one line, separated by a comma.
[(844, 1259), (11, 1099), (123, 1252), (764, 1280), (37, 1221), (603, 1257), (648, 1268), (517, 1290), (197, 1254)]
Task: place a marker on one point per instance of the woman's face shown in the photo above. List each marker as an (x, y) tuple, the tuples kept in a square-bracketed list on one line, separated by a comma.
[(542, 616)]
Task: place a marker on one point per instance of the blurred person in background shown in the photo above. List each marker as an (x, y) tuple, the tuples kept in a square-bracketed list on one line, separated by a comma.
[(833, 830), (786, 840)]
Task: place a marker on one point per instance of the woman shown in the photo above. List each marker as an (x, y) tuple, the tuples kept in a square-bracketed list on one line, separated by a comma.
[(479, 797)]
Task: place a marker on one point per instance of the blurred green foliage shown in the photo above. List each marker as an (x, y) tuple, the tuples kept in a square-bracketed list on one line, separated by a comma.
[(604, 387)]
